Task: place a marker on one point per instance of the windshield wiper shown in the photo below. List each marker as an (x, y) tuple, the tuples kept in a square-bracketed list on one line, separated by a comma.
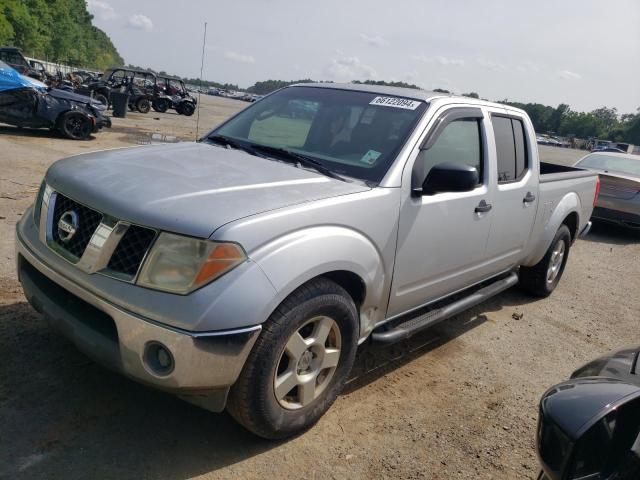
[(231, 143), (293, 157)]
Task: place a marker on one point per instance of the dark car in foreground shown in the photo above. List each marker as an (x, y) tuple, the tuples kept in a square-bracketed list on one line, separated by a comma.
[(589, 426), (28, 103), (619, 199)]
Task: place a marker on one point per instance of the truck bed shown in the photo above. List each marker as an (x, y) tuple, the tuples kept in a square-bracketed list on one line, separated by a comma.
[(553, 172)]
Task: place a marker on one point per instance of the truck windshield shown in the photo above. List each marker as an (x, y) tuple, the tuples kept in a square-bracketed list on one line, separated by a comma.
[(351, 133)]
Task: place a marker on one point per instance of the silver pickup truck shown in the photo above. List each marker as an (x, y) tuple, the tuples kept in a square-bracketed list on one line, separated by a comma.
[(243, 271)]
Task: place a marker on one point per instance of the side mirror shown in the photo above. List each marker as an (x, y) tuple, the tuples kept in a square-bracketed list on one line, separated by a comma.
[(448, 177), (589, 428)]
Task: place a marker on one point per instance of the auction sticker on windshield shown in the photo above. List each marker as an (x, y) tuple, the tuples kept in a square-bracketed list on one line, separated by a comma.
[(396, 102)]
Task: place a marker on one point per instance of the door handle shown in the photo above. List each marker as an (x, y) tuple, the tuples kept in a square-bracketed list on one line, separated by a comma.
[(483, 207), (529, 197)]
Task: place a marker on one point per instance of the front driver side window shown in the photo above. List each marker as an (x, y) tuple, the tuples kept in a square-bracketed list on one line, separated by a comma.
[(458, 143)]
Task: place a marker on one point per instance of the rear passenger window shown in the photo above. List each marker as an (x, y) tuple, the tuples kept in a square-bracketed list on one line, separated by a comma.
[(458, 143), (511, 148)]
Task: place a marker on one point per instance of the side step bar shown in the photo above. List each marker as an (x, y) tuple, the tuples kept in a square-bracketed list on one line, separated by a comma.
[(415, 324)]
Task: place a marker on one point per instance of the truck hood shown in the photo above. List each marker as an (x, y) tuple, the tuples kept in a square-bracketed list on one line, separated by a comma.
[(188, 188)]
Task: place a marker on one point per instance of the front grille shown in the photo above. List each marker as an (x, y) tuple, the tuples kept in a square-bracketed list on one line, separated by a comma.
[(131, 250), (123, 257), (88, 221)]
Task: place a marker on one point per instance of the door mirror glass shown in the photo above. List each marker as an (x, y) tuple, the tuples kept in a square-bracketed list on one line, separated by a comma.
[(449, 177)]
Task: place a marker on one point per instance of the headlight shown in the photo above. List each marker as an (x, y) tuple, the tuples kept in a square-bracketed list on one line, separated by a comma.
[(37, 206), (180, 264)]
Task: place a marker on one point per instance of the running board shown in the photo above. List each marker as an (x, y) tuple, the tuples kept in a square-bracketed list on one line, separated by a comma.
[(425, 320)]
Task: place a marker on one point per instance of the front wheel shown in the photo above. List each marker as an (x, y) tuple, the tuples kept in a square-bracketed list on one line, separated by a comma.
[(186, 108), (75, 126), (299, 363), (542, 279), (143, 105)]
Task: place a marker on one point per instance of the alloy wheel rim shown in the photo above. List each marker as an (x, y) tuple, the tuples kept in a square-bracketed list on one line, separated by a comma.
[(307, 363), (555, 263)]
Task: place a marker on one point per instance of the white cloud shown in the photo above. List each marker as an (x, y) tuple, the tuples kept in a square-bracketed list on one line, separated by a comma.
[(490, 65), (528, 67), (101, 9), (349, 68), (568, 75), (140, 22), (444, 61), (239, 57), (374, 41)]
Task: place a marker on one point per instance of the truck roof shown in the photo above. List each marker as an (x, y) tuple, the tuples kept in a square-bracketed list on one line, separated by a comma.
[(417, 94)]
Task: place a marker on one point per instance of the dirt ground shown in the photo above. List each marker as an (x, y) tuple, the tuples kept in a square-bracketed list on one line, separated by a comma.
[(458, 401)]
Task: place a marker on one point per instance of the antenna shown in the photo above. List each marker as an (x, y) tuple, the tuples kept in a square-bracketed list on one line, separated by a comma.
[(204, 42)]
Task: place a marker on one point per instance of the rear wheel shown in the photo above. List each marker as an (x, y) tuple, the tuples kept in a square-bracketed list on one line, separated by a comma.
[(299, 363), (542, 279), (143, 105), (75, 126)]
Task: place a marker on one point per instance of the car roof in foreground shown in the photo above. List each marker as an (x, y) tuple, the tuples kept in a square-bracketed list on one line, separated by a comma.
[(630, 156), (413, 93)]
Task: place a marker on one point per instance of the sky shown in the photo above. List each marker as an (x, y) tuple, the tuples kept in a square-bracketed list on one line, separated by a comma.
[(582, 52)]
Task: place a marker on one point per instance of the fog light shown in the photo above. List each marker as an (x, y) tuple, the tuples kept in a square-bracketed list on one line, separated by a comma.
[(158, 358)]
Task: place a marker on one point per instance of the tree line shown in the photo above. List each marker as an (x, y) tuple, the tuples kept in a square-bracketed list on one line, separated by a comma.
[(59, 31), (62, 31)]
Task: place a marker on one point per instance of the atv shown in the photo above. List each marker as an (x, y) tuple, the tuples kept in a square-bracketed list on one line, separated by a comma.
[(26, 102), (138, 83), (170, 92)]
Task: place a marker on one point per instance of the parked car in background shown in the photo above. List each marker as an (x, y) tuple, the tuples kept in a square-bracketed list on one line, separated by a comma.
[(26, 102), (244, 270), (589, 426), (619, 199), (38, 67), (608, 149), (13, 57)]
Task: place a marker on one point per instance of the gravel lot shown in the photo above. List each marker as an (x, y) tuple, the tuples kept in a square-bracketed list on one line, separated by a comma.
[(458, 401)]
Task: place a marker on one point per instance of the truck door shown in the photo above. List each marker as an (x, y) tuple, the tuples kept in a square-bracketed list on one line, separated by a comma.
[(516, 190), (442, 237)]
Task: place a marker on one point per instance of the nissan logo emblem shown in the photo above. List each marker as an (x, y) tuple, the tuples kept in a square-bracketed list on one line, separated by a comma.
[(67, 225)]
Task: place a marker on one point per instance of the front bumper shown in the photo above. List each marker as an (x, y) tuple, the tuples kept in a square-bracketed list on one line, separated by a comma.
[(101, 122), (204, 364), (629, 219)]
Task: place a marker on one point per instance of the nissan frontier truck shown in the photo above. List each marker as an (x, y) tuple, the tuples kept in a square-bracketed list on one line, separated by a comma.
[(242, 271)]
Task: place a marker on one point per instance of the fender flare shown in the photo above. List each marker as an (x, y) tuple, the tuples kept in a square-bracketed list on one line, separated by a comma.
[(292, 260), (569, 204)]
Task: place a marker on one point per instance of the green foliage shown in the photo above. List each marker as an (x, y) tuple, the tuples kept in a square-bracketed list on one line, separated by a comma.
[(268, 86), (471, 95), (56, 30), (387, 84), (603, 122)]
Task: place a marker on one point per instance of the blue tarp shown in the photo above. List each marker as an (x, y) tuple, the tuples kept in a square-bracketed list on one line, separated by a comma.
[(10, 79)]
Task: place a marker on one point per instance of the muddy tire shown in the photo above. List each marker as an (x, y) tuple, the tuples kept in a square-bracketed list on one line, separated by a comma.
[(186, 108), (75, 126), (300, 362), (160, 106), (542, 279), (143, 105)]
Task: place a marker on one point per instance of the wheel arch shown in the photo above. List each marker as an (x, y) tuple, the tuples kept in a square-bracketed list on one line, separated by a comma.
[(342, 255), (566, 212)]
